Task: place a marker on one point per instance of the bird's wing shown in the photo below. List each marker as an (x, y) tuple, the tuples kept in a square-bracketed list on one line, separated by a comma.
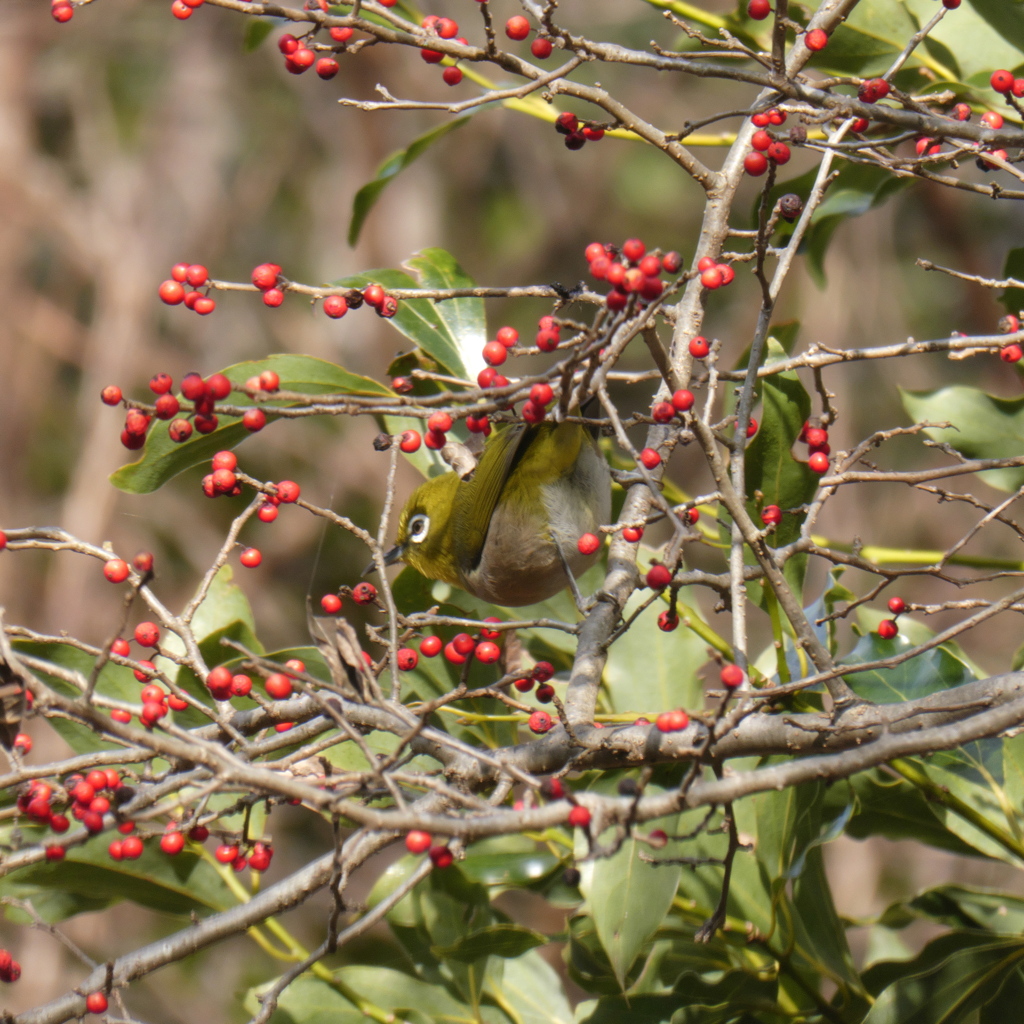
[(476, 499)]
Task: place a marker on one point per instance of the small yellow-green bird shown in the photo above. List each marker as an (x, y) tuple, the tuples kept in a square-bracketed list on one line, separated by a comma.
[(497, 534)]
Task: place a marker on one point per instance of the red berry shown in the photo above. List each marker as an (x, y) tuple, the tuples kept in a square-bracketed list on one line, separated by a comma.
[(172, 843), (241, 685), (579, 817), (55, 852), (897, 605), (417, 841), (566, 123), (440, 421), (731, 676), (887, 629), (682, 400), (668, 621), (435, 440), (110, 395), (633, 249), (751, 427), (541, 48), (542, 671), (540, 722), (441, 857), (116, 570), (265, 275), (951, 5), (364, 593), (407, 658), (650, 459), (672, 721), (251, 557), (278, 686), (547, 341), (226, 853), (658, 577), (204, 305), (633, 533), (431, 57), (335, 306), (451, 75), (759, 9), (760, 140), (992, 119), (818, 462), (876, 89), (327, 68), (517, 27), (699, 347), (182, 12), (663, 412), (508, 336), (373, 295), (778, 152), (172, 292), (487, 652), (771, 515), (755, 164), (254, 419), (197, 275), (288, 491), (430, 646), (120, 715), (495, 353), (96, 1002), (147, 634), (1001, 81), (273, 297), (259, 859), (816, 39), (179, 430), (300, 60), (541, 394), (62, 12), (588, 544), (410, 442)]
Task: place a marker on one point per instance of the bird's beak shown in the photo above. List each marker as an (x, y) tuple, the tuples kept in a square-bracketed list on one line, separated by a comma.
[(390, 557)]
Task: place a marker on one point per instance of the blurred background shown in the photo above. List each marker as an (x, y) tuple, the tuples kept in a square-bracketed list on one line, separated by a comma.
[(130, 141)]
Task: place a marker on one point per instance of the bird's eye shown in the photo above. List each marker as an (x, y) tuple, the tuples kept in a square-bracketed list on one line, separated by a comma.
[(419, 526)]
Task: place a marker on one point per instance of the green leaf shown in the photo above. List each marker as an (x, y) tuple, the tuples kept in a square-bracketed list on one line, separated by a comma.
[(88, 879), (670, 663), (505, 940), (984, 35), (418, 319), (769, 465), (950, 979), (114, 681), (1012, 299), (256, 30), (982, 426), (534, 991), (465, 318), (628, 899), (162, 459), (366, 198)]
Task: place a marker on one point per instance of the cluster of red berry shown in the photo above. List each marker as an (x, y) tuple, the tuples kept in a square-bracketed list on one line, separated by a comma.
[(577, 133), (443, 28), (231, 853), (194, 275), (1012, 353), (462, 646), (182, 9), (10, 969), (203, 394), (630, 271), (816, 439), (298, 57), (887, 628), (765, 146)]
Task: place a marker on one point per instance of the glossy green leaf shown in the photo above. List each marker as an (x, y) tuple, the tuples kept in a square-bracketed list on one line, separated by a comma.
[(671, 662), (366, 198), (162, 459), (534, 991), (948, 981), (115, 681), (983, 34), (504, 940), (769, 465), (868, 39), (628, 898), (982, 426), (418, 319), (88, 878)]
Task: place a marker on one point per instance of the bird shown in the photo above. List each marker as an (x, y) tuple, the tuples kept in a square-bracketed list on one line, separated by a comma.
[(508, 534)]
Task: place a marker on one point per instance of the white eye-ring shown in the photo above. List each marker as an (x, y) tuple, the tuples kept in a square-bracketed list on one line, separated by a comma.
[(419, 526)]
